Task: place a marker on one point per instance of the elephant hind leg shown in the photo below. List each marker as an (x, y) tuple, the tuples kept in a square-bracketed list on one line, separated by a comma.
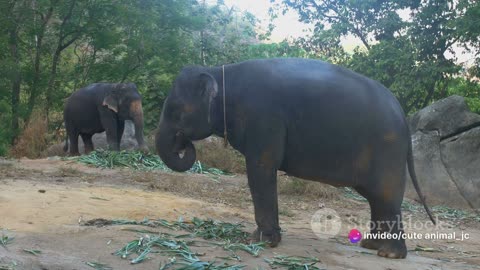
[(73, 137), (385, 196), (88, 143)]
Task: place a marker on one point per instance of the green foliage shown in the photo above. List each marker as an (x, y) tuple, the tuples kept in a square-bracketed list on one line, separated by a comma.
[(48, 49), (404, 43), (468, 89)]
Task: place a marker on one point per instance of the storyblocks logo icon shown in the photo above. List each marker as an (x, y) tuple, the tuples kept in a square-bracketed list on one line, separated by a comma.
[(326, 223)]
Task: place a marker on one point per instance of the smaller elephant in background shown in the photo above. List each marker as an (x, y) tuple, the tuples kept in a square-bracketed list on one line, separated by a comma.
[(103, 107)]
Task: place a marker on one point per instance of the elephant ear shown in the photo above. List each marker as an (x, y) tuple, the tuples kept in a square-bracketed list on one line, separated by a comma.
[(208, 87), (111, 102), (208, 90)]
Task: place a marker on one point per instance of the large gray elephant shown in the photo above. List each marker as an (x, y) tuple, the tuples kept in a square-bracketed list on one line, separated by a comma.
[(103, 107), (308, 118)]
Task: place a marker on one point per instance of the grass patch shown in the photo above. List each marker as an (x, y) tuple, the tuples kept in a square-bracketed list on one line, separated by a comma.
[(453, 214), (68, 172), (295, 186), (138, 161), (285, 212), (408, 206)]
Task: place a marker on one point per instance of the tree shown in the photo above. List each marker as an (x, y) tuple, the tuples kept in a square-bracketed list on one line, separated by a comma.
[(397, 48)]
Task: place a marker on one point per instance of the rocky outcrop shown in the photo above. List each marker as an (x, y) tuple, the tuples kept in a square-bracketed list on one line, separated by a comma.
[(446, 149)]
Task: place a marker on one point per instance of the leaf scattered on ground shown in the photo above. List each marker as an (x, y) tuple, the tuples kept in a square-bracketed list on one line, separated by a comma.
[(451, 213), (139, 250), (230, 236), (33, 251), (425, 249), (294, 262), (98, 266), (5, 240), (204, 228), (352, 194)]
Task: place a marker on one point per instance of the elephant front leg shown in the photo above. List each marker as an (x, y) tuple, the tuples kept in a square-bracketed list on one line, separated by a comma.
[(120, 129), (110, 123), (262, 180)]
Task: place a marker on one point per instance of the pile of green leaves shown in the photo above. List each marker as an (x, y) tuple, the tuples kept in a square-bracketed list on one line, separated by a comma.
[(227, 235), (165, 244), (208, 229), (138, 161)]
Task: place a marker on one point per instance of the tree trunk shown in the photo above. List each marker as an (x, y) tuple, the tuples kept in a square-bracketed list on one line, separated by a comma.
[(16, 82), (38, 49), (61, 45), (51, 81)]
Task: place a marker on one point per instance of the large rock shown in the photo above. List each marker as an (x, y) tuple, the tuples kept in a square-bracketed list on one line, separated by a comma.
[(99, 142), (446, 149), (100, 139), (447, 116)]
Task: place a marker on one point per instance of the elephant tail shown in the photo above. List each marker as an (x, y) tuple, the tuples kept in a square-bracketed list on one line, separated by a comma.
[(65, 147), (413, 176)]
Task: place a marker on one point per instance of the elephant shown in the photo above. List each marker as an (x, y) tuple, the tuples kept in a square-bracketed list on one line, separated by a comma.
[(308, 118), (103, 107)]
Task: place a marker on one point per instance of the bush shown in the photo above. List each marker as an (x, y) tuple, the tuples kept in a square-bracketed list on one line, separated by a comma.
[(212, 153), (33, 140)]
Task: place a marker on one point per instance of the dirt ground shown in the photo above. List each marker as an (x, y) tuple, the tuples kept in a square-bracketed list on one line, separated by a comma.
[(44, 202)]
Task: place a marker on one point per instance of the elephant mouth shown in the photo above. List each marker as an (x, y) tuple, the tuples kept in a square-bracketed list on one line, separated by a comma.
[(178, 152), (181, 153)]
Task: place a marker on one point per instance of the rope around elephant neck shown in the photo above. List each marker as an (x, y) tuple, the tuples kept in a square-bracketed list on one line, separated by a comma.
[(225, 140)]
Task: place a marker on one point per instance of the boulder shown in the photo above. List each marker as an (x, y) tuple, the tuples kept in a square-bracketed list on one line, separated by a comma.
[(447, 116), (446, 150)]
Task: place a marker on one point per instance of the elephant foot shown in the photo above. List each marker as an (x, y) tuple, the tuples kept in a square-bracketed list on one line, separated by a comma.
[(375, 244), (144, 149), (272, 238), (393, 249)]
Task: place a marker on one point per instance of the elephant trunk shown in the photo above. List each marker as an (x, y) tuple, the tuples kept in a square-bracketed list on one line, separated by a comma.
[(174, 149), (136, 112)]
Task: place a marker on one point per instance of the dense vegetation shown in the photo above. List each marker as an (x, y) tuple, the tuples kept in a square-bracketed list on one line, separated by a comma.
[(49, 48)]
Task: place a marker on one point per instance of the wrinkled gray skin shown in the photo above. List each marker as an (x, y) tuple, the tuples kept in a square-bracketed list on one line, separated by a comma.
[(307, 118), (103, 107)]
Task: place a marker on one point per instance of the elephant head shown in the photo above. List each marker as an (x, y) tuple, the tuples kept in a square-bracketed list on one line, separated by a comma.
[(185, 117), (126, 102)]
